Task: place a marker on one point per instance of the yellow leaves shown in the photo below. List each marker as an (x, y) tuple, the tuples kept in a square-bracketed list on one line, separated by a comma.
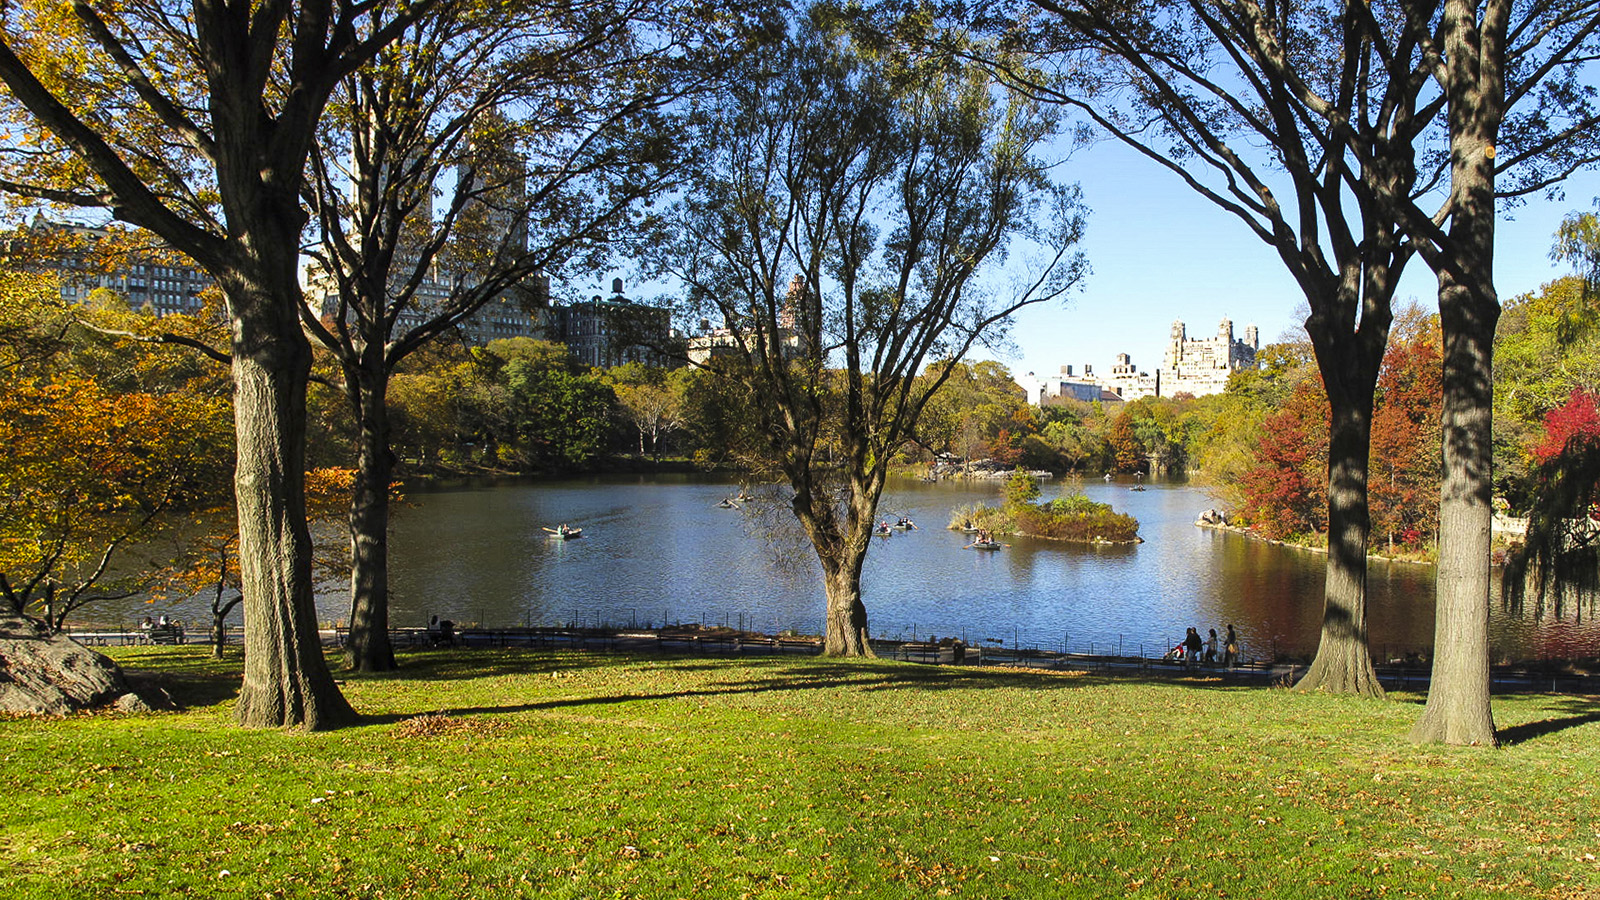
[(85, 465), (329, 480)]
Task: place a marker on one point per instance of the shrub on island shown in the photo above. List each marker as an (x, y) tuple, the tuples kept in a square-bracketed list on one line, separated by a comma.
[(1069, 517)]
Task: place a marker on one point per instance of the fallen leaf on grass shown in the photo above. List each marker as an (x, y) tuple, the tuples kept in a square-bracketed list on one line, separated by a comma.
[(439, 725)]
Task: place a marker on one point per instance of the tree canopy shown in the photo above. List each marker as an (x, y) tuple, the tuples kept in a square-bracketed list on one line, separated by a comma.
[(852, 193)]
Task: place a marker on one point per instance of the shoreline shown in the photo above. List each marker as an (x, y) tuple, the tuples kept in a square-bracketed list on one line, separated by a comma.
[(1247, 533)]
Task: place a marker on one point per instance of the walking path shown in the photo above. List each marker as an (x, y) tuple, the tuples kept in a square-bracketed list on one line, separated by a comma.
[(697, 640)]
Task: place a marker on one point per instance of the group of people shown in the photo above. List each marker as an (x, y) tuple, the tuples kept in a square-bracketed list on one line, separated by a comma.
[(162, 631), (1194, 650)]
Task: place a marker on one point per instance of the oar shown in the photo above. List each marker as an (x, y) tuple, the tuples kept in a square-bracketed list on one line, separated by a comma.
[(549, 529)]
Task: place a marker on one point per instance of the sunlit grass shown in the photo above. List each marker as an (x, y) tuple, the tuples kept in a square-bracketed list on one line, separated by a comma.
[(484, 774)]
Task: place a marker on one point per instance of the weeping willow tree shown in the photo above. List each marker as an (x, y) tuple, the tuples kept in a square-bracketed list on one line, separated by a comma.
[(1557, 569)]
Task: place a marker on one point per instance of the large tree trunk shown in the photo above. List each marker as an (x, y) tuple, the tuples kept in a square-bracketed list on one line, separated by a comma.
[(841, 548), (286, 678), (1349, 352), (368, 648), (1343, 664), (1458, 710), (846, 633)]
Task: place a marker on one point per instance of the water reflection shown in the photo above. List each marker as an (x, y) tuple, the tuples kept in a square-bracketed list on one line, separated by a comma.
[(660, 549)]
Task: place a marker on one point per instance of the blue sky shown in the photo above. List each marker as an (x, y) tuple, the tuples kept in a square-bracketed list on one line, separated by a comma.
[(1160, 252)]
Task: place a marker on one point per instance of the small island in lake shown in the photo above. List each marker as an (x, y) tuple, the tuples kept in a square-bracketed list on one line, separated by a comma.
[(1070, 517)]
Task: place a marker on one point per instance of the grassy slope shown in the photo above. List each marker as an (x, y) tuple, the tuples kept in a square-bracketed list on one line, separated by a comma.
[(582, 776)]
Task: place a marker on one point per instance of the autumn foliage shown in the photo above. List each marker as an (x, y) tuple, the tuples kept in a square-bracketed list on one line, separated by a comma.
[(1126, 452), (1567, 460), (1570, 428), (86, 472), (1285, 490), (1403, 479)]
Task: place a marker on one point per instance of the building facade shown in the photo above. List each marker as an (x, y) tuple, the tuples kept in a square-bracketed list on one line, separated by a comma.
[(1066, 386), (724, 343), (1194, 366), (519, 311), (85, 259), (1201, 366), (613, 331), (1129, 383)]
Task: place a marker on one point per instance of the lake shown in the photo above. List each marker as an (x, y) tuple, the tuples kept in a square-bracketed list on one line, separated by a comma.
[(658, 549)]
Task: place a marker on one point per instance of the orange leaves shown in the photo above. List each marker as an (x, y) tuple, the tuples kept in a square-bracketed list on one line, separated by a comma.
[(1286, 491), (86, 468), (1403, 484)]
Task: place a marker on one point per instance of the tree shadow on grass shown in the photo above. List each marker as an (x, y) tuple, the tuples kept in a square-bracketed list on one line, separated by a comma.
[(1572, 712), (781, 672), (188, 674), (781, 675), (192, 678), (449, 665), (187, 691)]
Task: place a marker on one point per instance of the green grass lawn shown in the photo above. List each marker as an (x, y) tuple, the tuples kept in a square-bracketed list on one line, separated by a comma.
[(486, 774)]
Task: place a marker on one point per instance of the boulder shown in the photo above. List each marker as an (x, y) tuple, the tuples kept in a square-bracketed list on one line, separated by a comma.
[(46, 674)]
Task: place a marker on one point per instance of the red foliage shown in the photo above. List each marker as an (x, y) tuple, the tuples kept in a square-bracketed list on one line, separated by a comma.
[(1403, 475), (1006, 448), (1286, 493), (1570, 426)]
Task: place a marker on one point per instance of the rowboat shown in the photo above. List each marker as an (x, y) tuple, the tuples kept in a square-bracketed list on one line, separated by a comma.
[(984, 545), (565, 534)]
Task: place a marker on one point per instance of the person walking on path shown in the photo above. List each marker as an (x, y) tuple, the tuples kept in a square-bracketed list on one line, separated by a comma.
[(1211, 648), (1230, 650)]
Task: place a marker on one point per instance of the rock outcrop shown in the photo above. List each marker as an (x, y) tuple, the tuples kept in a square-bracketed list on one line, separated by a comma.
[(49, 674)]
